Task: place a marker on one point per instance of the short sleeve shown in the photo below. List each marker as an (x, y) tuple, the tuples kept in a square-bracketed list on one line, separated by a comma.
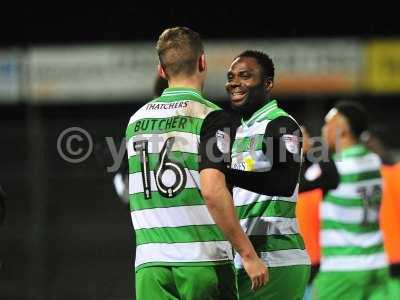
[(216, 136)]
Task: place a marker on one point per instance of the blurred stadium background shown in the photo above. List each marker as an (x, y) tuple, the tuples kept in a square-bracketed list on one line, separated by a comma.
[(67, 235)]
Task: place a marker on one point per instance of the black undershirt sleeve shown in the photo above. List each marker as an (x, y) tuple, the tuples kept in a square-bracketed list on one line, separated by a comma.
[(322, 174), (215, 141), (282, 148)]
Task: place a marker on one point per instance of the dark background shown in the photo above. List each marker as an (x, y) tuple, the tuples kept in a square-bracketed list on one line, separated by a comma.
[(68, 22), (67, 235)]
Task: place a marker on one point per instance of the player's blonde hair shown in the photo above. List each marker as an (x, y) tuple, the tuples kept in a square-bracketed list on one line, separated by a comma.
[(179, 49)]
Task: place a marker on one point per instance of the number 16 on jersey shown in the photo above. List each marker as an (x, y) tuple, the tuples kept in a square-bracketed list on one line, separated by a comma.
[(164, 164)]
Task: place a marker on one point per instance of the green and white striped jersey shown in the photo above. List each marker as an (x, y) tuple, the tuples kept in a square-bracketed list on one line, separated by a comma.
[(350, 237), (269, 220), (171, 221)]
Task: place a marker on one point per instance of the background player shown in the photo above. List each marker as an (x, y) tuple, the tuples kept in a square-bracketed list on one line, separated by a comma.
[(353, 263)]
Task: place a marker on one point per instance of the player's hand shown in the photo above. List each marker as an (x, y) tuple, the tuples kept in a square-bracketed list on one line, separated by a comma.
[(257, 271)]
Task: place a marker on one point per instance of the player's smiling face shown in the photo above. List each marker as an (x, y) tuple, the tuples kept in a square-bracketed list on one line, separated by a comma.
[(244, 81)]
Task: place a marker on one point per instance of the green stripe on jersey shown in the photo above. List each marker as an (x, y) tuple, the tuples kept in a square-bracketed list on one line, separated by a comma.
[(271, 105), (246, 144), (331, 251), (183, 234), (274, 114), (188, 197), (271, 208), (355, 228), (164, 125), (351, 152), (266, 243), (189, 160), (349, 202), (356, 177)]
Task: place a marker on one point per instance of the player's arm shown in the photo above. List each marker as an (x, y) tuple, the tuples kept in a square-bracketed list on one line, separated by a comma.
[(316, 174), (319, 175), (282, 149), (219, 200)]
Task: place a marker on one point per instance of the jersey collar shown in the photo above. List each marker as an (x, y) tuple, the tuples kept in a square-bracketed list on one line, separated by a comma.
[(181, 91), (268, 107)]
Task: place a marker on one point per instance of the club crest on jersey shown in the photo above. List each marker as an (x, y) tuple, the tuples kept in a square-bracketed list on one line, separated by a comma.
[(223, 141), (292, 143)]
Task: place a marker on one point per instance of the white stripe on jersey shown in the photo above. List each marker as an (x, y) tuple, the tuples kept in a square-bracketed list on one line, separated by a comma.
[(351, 190), (171, 217), (257, 128), (280, 258), (353, 262), (183, 252), (269, 226), (343, 238), (344, 214), (366, 163), (245, 197)]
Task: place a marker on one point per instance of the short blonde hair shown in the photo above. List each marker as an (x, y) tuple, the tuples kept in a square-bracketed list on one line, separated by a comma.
[(179, 49)]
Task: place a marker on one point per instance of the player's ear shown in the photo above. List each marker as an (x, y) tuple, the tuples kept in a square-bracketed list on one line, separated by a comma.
[(161, 72), (269, 84), (202, 63)]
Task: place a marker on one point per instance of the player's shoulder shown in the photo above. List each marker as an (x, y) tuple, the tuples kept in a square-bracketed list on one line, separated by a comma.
[(210, 104), (203, 108), (373, 158), (220, 119), (218, 114), (284, 124)]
